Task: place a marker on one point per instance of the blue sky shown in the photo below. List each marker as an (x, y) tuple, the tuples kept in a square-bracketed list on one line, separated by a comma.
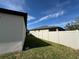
[(45, 12)]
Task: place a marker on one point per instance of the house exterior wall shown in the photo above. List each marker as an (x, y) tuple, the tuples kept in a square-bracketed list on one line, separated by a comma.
[(12, 33), (67, 38)]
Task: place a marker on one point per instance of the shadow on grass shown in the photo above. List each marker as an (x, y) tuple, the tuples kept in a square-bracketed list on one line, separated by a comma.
[(33, 42)]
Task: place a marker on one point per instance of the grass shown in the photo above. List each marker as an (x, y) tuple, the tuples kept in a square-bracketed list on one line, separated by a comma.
[(39, 49)]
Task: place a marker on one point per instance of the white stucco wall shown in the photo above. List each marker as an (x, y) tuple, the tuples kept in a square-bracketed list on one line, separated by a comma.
[(67, 38), (12, 33)]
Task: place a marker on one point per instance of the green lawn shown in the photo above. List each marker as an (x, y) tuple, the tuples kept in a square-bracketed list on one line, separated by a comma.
[(39, 49)]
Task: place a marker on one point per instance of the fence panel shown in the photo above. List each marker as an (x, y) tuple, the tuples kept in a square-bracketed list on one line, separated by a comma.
[(68, 38)]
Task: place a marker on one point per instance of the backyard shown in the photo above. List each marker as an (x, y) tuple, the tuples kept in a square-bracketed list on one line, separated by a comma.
[(36, 48)]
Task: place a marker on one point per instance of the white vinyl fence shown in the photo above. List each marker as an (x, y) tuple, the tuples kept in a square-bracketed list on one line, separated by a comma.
[(67, 38)]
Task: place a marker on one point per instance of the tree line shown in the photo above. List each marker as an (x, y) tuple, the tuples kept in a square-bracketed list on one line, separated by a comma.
[(74, 25)]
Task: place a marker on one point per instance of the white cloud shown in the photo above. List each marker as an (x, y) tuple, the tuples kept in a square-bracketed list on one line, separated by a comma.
[(30, 18), (13, 4), (57, 6), (49, 16), (63, 3), (61, 24)]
